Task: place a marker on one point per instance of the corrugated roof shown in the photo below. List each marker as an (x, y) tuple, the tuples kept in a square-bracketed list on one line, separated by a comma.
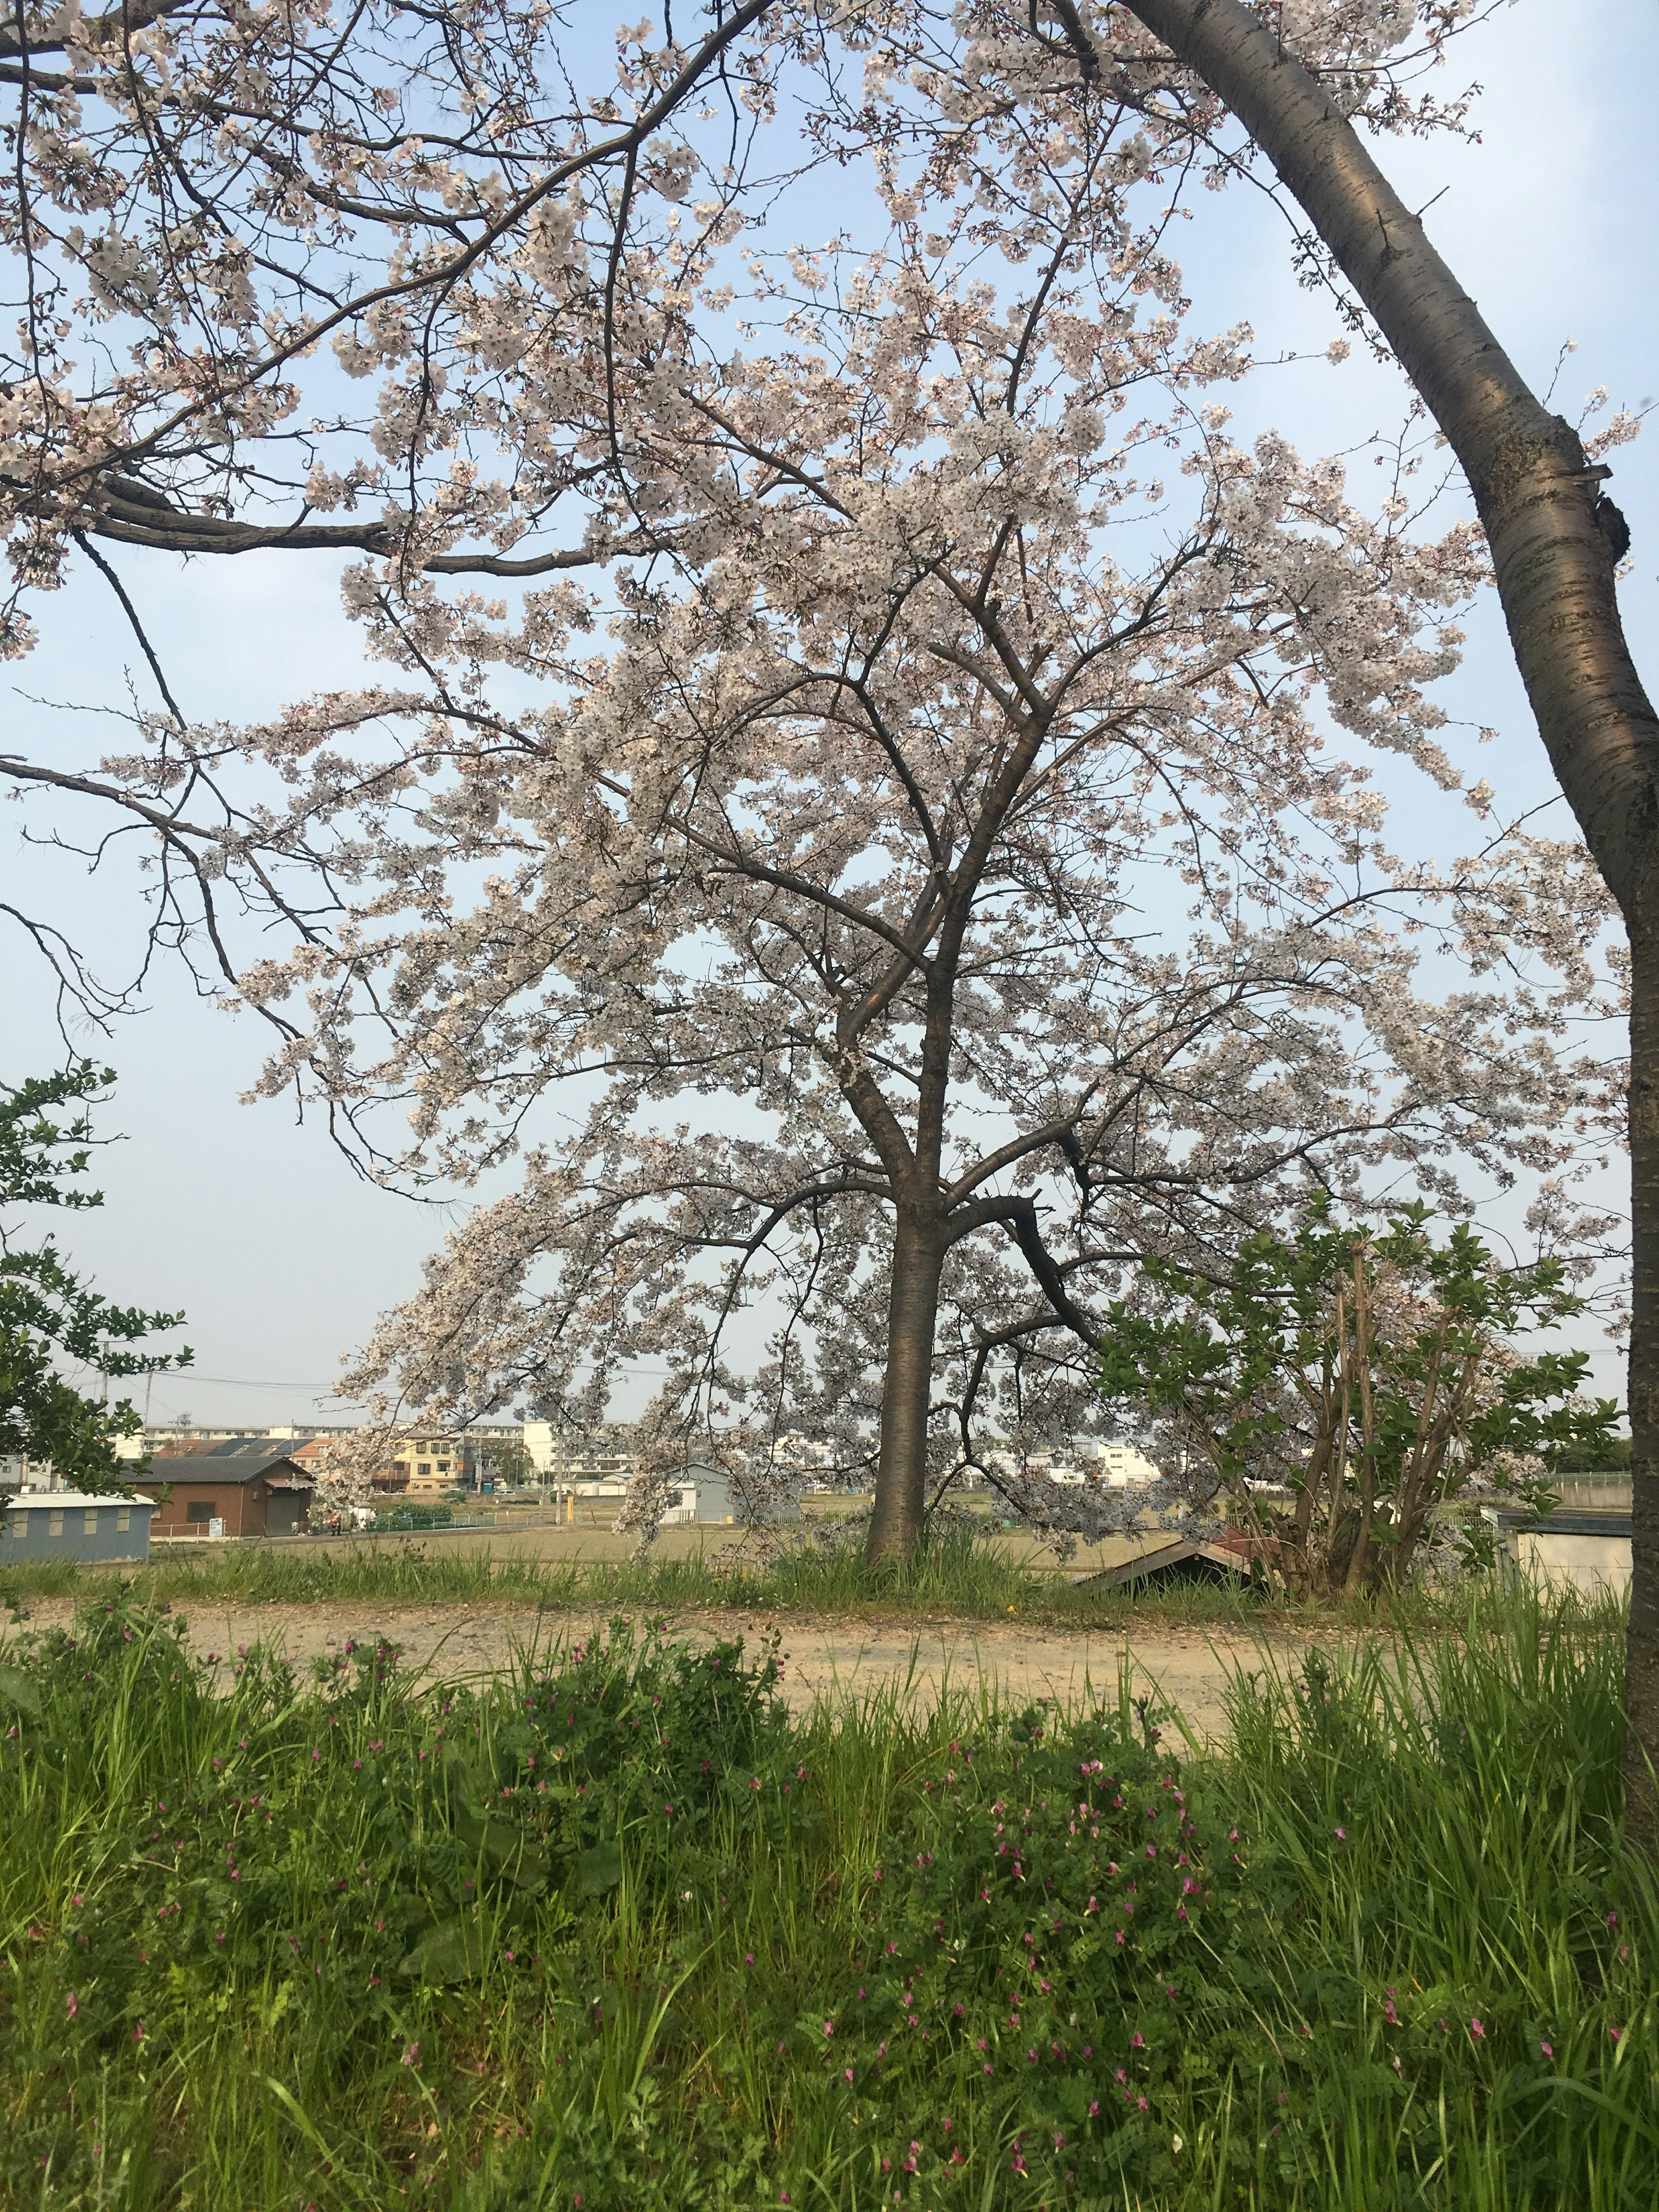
[(37, 1501)]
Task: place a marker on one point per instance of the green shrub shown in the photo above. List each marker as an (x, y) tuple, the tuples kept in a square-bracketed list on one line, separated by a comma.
[(619, 1928)]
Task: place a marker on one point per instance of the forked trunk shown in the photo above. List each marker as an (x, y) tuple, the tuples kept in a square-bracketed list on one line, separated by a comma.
[(919, 1246), (1550, 538)]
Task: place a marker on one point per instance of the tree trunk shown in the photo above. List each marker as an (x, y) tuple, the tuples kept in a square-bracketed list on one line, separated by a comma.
[(919, 1246), (1554, 567), (1642, 1646)]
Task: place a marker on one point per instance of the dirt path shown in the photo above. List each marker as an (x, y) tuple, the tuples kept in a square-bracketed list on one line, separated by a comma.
[(824, 1658)]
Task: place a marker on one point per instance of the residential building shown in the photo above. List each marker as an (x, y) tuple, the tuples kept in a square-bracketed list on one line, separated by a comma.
[(17, 1473), (562, 1455), (429, 1465)]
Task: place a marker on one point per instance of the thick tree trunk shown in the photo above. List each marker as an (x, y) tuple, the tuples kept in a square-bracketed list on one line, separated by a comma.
[(919, 1246), (1555, 570), (1642, 1648)]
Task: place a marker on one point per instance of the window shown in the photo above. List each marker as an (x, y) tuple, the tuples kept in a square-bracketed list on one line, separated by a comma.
[(55, 1523), (424, 1467), (443, 1466), (400, 1467), (20, 1524), (200, 1511), (89, 1521), (123, 1519)]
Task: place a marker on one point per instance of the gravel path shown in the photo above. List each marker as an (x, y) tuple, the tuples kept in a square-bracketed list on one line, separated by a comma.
[(824, 1658)]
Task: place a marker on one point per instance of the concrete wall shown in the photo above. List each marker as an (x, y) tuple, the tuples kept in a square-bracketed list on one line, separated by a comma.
[(1593, 1564)]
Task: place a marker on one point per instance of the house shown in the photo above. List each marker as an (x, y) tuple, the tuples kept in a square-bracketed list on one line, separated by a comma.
[(73, 1524), (427, 1466), (235, 1489)]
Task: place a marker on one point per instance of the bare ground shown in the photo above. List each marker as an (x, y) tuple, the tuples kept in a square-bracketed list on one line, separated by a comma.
[(824, 1658)]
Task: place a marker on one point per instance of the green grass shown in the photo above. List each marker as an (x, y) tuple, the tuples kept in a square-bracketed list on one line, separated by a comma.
[(621, 1933), (966, 1576)]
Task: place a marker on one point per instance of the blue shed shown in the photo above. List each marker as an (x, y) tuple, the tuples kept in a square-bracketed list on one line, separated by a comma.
[(69, 1524)]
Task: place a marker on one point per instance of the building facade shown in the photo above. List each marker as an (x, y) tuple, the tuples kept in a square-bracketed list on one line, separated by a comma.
[(230, 1493), (74, 1524)]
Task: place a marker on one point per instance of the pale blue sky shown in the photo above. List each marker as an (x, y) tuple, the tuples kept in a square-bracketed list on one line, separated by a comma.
[(257, 1227)]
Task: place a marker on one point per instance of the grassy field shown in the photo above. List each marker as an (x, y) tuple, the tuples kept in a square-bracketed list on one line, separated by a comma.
[(622, 1936), (964, 1576)]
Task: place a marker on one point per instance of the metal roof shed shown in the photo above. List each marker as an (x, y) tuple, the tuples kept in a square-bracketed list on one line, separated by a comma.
[(706, 1495), (71, 1524)]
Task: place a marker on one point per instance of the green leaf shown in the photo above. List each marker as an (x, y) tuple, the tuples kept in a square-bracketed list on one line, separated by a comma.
[(599, 1869), (508, 1849), (453, 1952), (18, 1690)]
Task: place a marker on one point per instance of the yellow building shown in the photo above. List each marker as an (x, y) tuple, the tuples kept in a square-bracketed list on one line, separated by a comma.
[(427, 1467)]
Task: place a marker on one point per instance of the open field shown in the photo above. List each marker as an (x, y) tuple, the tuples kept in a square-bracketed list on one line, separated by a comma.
[(821, 1659), (623, 1930), (960, 1578)]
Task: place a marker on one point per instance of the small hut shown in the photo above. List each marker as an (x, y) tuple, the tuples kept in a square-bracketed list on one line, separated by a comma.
[(74, 1524)]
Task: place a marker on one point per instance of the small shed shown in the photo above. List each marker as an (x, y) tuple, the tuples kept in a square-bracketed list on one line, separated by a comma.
[(1589, 1551), (710, 1497), (232, 1491), (74, 1524)]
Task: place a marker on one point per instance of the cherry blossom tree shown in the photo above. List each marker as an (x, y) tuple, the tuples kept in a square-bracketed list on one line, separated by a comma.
[(956, 788), (865, 835)]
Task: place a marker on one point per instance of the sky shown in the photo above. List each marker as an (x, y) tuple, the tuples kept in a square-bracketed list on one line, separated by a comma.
[(251, 1222)]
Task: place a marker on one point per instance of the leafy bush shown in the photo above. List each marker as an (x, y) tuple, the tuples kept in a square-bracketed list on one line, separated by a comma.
[(620, 1929)]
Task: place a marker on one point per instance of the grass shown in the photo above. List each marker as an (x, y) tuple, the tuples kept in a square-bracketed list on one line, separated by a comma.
[(968, 1577), (620, 1934)]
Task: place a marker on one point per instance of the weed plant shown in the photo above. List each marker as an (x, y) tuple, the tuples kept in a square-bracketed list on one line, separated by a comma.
[(619, 1933)]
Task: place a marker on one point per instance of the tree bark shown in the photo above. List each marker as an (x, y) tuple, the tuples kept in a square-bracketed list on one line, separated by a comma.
[(1554, 567), (919, 1247)]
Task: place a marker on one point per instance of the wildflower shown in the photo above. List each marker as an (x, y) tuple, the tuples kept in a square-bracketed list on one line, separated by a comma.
[(1341, 1835), (1174, 2145), (1548, 2049), (1613, 1920), (74, 2004), (829, 2026), (411, 2054), (1477, 2030)]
